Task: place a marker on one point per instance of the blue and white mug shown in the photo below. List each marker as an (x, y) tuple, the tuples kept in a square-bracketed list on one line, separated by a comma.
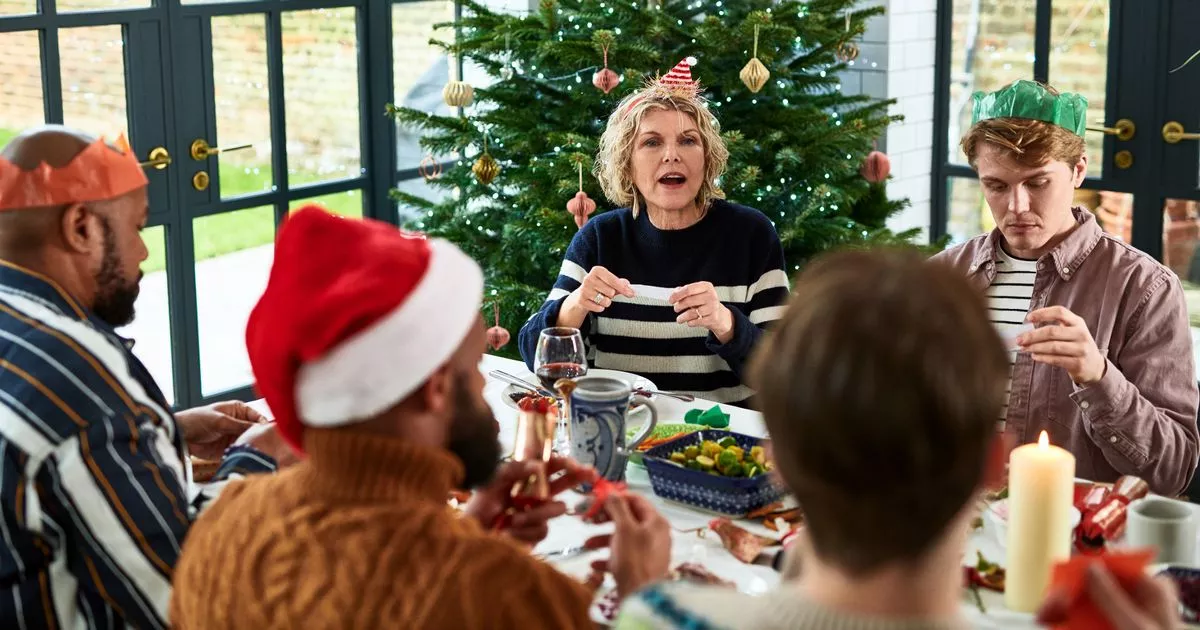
[(599, 406)]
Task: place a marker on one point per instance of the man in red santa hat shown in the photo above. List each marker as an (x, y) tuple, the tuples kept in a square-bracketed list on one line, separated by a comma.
[(366, 345)]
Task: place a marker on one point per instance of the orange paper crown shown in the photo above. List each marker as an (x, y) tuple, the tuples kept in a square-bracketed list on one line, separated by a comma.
[(101, 171)]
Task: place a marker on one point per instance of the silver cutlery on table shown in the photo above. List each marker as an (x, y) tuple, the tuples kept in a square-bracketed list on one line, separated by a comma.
[(655, 392), (519, 382)]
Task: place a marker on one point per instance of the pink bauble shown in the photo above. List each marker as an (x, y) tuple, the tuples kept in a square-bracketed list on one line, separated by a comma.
[(497, 337), (876, 167), (605, 79), (581, 206)]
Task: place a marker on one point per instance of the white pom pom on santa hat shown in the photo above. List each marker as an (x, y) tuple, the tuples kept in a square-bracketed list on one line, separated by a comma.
[(357, 314)]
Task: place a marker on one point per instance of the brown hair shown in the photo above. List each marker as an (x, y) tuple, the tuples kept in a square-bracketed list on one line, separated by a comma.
[(614, 159), (1032, 143), (881, 388)]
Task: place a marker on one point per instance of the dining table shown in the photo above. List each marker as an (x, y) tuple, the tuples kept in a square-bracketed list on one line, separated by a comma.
[(692, 541)]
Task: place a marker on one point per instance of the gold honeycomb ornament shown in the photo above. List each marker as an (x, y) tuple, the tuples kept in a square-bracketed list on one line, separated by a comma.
[(486, 168), (754, 74), (458, 94)]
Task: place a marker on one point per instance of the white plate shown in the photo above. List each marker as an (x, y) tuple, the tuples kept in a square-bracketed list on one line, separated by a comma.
[(635, 381)]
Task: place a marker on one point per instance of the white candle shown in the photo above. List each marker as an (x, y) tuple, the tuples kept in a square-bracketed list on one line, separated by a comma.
[(1041, 485)]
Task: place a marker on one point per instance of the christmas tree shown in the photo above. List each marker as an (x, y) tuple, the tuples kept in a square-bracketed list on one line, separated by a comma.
[(526, 143)]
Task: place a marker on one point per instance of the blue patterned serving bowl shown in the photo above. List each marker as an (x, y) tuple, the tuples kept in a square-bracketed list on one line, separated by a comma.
[(731, 496)]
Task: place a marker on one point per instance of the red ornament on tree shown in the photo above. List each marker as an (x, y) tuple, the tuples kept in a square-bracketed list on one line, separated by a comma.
[(497, 336), (580, 205), (605, 79), (876, 167)]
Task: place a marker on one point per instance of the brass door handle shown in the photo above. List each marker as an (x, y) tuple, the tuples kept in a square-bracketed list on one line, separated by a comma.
[(1123, 130), (1173, 132), (202, 151), (158, 158)]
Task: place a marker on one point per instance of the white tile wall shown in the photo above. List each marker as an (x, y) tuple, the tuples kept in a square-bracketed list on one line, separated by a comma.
[(901, 43)]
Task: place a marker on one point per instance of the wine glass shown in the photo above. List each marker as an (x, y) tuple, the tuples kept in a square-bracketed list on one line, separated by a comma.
[(560, 354)]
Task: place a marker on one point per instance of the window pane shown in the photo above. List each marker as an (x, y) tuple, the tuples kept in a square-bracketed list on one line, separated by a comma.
[(1181, 233), (233, 259), (320, 73), (18, 7), (151, 327), (65, 6), (348, 204), (243, 109), (969, 213), (21, 101), (991, 45), (1079, 63), (1113, 210), (93, 79), (420, 69)]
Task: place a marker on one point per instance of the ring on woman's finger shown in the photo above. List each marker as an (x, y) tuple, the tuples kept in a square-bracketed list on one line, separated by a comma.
[(697, 312), (599, 299)]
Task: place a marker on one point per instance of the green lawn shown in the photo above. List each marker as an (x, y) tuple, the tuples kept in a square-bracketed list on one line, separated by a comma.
[(225, 233)]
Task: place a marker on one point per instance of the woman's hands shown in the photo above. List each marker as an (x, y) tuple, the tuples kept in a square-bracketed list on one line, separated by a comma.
[(699, 305), (594, 295)]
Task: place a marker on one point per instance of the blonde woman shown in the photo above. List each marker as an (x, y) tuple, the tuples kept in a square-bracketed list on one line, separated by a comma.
[(676, 285)]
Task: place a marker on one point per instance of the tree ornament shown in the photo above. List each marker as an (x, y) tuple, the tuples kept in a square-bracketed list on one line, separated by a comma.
[(580, 205), (605, 79), (497, 336), (755, 74), (847, 50), (876, 167), (430, 169), (486, 168), (506, 71), (458, 93)]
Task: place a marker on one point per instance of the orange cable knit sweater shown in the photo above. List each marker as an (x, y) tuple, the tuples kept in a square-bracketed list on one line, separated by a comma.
[(360, 536)]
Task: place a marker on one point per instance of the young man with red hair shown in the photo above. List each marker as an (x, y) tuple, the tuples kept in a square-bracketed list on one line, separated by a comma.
[(1101, 349)]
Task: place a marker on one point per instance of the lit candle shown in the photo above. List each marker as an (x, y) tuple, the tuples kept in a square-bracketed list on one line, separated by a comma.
[(1041, 484)]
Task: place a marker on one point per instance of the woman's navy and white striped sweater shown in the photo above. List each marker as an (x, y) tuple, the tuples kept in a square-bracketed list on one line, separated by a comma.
[(733, 247)]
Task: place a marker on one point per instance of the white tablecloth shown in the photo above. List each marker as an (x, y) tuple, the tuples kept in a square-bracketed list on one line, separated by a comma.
[(566, 532), (687, 545)]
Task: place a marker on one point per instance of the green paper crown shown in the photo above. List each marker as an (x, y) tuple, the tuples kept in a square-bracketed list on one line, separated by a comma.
[(1031, 100)]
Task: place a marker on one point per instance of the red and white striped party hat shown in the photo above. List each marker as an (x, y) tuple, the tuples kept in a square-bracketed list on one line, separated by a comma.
[(680, 77), (678, 83)]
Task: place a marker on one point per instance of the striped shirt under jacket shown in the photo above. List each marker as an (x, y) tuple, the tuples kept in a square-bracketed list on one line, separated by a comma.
[(733, 247), (95, 497)]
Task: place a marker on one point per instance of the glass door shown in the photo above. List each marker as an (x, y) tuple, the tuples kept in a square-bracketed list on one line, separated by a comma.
[(271, 113), (1131, 60), (1176, 129), (101, 66)]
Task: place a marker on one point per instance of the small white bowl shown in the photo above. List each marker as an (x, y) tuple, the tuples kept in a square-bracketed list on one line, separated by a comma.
[(996, 519)]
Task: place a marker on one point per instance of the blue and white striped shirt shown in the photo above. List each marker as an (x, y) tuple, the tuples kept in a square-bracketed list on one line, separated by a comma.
[(95, 493), (733, 247)]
